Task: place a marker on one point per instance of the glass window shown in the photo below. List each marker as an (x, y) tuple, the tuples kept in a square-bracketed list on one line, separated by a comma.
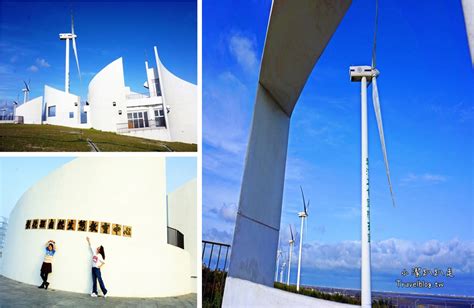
[(159, 118), (138, 119), (145, 117), (71, 115), (51, 111)]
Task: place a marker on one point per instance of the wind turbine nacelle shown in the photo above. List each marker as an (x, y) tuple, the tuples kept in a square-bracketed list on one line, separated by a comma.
[(357, 72), (302, 214), (66, 36)]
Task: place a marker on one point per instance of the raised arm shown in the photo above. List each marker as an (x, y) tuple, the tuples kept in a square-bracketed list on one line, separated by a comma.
[(89, 242)]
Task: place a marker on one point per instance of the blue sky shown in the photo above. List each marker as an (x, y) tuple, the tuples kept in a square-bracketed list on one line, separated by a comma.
[(17, 174), (30, 47), (427, 103)]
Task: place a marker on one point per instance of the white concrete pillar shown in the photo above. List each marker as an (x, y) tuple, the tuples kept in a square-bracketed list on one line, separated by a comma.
[(258, 218)]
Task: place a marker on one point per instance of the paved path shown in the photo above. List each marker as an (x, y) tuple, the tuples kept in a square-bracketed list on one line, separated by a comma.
[(17, 294)]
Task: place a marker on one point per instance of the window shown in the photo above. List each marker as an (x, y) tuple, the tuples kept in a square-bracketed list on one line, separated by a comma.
[(51, 111), (114, 104), (137, 119), (120, 112), (71, 115), (159, 117)]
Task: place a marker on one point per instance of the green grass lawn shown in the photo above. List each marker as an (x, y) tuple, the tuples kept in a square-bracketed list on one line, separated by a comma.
[(51, 138)]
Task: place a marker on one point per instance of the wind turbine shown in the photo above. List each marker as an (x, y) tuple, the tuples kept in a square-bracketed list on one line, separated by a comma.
[(279, 254), (291, 242), (15, 104), (365, 74), (26, 91), (70, 36), (281, 271), (303, 216)]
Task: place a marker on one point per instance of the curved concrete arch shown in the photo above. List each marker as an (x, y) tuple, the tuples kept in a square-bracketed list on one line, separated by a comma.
[(106, 88), (181, 98), (126, 191), (297, 34)]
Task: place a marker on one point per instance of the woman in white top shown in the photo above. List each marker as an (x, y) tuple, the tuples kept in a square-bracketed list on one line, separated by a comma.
[(46, 267), (98, 258)]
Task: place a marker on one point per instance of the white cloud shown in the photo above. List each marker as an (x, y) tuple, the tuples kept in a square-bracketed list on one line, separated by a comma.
[(243, 49), (228, 212), (428, 178), (393, 254), (33, 68), (42, 63)]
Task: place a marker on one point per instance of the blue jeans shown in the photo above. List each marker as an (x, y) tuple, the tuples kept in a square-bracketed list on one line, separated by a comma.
[(96, 275)]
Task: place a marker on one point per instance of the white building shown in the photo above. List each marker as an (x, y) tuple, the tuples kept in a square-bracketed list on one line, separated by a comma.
[(167, 112), (119, 203)]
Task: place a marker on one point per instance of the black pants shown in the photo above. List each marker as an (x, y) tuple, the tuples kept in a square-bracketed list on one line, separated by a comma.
[(44, 276)]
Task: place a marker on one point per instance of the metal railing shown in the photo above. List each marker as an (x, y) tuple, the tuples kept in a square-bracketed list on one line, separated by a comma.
[(137, 95), (214, 272), (215, 249), (129, 126), (175, 238)]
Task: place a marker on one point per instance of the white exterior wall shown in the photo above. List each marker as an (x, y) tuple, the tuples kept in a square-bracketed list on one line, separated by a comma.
[(31, 111), (182, 215), (65, 103), (243, 293), (106, 87), (128, 191), (181, 97)]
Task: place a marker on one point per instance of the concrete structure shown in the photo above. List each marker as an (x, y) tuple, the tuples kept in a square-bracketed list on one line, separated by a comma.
[(298, 32), (167, 112), (468, 10), (182, 215), (31, 111), (252, 294), (119, 203), (62, 108)]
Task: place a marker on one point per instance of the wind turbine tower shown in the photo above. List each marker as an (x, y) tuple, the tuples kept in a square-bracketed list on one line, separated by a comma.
[(66, 37), (303, 216), (365, 75), (291, 242)]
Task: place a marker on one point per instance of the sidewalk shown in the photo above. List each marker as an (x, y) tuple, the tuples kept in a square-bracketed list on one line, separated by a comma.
[(17, 294)]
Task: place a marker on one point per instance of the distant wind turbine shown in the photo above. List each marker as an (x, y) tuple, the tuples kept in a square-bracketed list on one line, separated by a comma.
[(364, 74), (303, 216), (26, 91), (291, 242)]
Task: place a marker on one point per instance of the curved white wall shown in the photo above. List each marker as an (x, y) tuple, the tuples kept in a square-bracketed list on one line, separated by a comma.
[(182, 215), (65, 103), (181, 97), (31, 111), (128, 191), (106, 87)]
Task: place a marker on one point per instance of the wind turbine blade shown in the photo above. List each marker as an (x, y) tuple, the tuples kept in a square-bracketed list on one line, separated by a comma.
[(26, 86), (378, 115), (375, 33), (74, 48), (304, 202), (291, 232)]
